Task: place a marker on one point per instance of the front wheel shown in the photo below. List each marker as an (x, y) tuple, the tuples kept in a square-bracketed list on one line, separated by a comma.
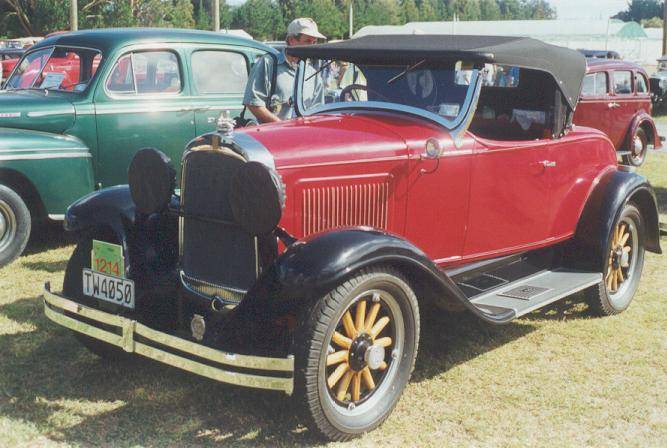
[(625, 262), (638, 149), (355, 352), (15, 224)]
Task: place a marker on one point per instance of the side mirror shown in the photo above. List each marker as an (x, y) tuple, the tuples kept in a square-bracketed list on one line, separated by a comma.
[(433, 149)]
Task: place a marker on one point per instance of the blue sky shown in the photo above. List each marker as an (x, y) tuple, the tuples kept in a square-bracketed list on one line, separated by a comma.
[(567, 9)]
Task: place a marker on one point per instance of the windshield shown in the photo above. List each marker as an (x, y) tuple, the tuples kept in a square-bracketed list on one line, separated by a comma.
[(443, 93), (56, 68)]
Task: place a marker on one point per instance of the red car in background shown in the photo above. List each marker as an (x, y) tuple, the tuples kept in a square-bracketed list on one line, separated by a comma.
[(8, 59), (615, 98)]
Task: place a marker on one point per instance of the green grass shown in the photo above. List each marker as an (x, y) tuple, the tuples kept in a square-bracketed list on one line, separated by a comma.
[(557, 377)]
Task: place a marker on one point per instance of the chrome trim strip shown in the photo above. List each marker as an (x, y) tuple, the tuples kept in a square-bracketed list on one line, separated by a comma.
[(56, 305), (66, 155), (57, 217), (143, 109), (3, 150), (50, 113), (251, 149)]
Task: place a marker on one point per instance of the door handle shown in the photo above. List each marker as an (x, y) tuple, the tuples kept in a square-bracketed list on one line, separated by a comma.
[(613, 105), (548, 163)]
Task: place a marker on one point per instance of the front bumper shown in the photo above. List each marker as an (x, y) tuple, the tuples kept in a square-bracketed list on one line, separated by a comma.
[(275, 373)]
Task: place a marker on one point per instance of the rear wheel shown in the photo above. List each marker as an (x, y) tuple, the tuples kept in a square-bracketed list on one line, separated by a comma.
[(638, 149), (15, 223), (355, 351), (73, 288), (625, 262)]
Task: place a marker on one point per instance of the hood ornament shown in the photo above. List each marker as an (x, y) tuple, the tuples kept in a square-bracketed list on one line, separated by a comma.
[(224, 127), (225, 124)]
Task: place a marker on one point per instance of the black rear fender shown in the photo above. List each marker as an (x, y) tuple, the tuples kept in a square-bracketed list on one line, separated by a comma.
[(604, 205)]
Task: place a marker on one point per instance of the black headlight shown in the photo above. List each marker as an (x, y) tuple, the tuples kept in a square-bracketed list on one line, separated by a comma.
[(257, 197), (152, 180)]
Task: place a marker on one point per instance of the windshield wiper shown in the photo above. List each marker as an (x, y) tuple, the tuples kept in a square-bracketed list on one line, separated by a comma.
[(403, 73), (321, 68)]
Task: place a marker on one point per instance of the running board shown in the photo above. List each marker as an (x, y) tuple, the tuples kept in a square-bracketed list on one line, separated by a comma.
[(534, 292)]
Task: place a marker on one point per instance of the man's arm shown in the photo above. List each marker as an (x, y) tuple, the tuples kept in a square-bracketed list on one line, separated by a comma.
[(257, 92), (262, 114)]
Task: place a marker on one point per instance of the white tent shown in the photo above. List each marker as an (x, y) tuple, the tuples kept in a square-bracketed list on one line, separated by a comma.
[(628, 38)]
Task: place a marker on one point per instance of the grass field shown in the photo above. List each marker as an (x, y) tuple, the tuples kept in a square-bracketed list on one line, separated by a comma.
[(557, 377)]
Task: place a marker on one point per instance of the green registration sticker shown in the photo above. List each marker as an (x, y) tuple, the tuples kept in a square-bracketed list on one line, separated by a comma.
[(107, 258)]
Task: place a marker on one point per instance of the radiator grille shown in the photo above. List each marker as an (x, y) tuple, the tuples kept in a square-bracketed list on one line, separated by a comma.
[(216, 254), (213, 290), (347, 205)]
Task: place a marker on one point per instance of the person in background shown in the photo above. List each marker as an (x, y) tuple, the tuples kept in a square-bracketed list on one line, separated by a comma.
[(274, 103)]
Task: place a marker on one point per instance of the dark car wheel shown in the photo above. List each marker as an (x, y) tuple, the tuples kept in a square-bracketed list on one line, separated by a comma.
[(73, 289), (14, 225), (355, 351), (638, 149), (624, 265)]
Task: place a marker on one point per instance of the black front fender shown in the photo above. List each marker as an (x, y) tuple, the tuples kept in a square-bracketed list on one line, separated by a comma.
[(312, 267), (149, 241), (108, 208), (601, 211)]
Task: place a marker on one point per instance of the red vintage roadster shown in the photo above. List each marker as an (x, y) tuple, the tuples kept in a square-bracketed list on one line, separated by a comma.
[(296, 255)]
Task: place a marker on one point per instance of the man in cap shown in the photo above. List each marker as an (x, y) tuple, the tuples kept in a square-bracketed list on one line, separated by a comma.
[(273, 103)]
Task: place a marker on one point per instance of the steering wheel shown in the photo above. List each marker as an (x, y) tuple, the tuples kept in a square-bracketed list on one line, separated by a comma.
[(347, 93)]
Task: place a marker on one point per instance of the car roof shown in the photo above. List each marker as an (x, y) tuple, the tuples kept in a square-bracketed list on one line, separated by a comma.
[(598, 65), (109, 38), (566, 66), (15, 51)]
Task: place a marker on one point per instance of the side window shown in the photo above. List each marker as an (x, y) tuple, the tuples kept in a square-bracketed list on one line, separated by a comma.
[(601, 87), (595, 84), (121, 79), (623, 82), (217, 71), (146, 72), (588, 88), (640, 82)]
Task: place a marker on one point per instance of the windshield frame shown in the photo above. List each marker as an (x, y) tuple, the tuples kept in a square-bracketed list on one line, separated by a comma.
[(53, 48), (451, 125)]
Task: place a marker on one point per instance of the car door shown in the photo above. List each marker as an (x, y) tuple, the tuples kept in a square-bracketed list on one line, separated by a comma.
[(144, 102), (594, 105), (219, 77), (437, 206), (621, 106), (509, 197)]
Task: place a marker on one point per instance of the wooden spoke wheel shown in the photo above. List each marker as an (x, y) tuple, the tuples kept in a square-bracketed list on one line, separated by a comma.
[(624, 264), (361, 349), (355, 351)]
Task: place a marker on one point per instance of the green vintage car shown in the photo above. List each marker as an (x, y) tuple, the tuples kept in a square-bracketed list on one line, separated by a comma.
[(79, 105)]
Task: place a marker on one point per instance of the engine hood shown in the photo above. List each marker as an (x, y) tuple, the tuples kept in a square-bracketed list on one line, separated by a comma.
[(327, 138), (35, 110)]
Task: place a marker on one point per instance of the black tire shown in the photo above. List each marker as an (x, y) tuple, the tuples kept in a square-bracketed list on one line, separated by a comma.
[(15, 223), (614, 295), (638, 147), (343, 416), (72, 288)]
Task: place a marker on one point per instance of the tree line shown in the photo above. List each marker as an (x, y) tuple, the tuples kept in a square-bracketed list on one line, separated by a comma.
[(647, 12), (263, 19)]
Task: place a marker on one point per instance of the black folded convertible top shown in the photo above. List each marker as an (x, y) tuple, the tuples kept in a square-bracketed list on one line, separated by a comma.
[(566, 66)]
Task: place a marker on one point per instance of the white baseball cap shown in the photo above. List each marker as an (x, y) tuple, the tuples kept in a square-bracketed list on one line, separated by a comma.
[(304, 25)]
